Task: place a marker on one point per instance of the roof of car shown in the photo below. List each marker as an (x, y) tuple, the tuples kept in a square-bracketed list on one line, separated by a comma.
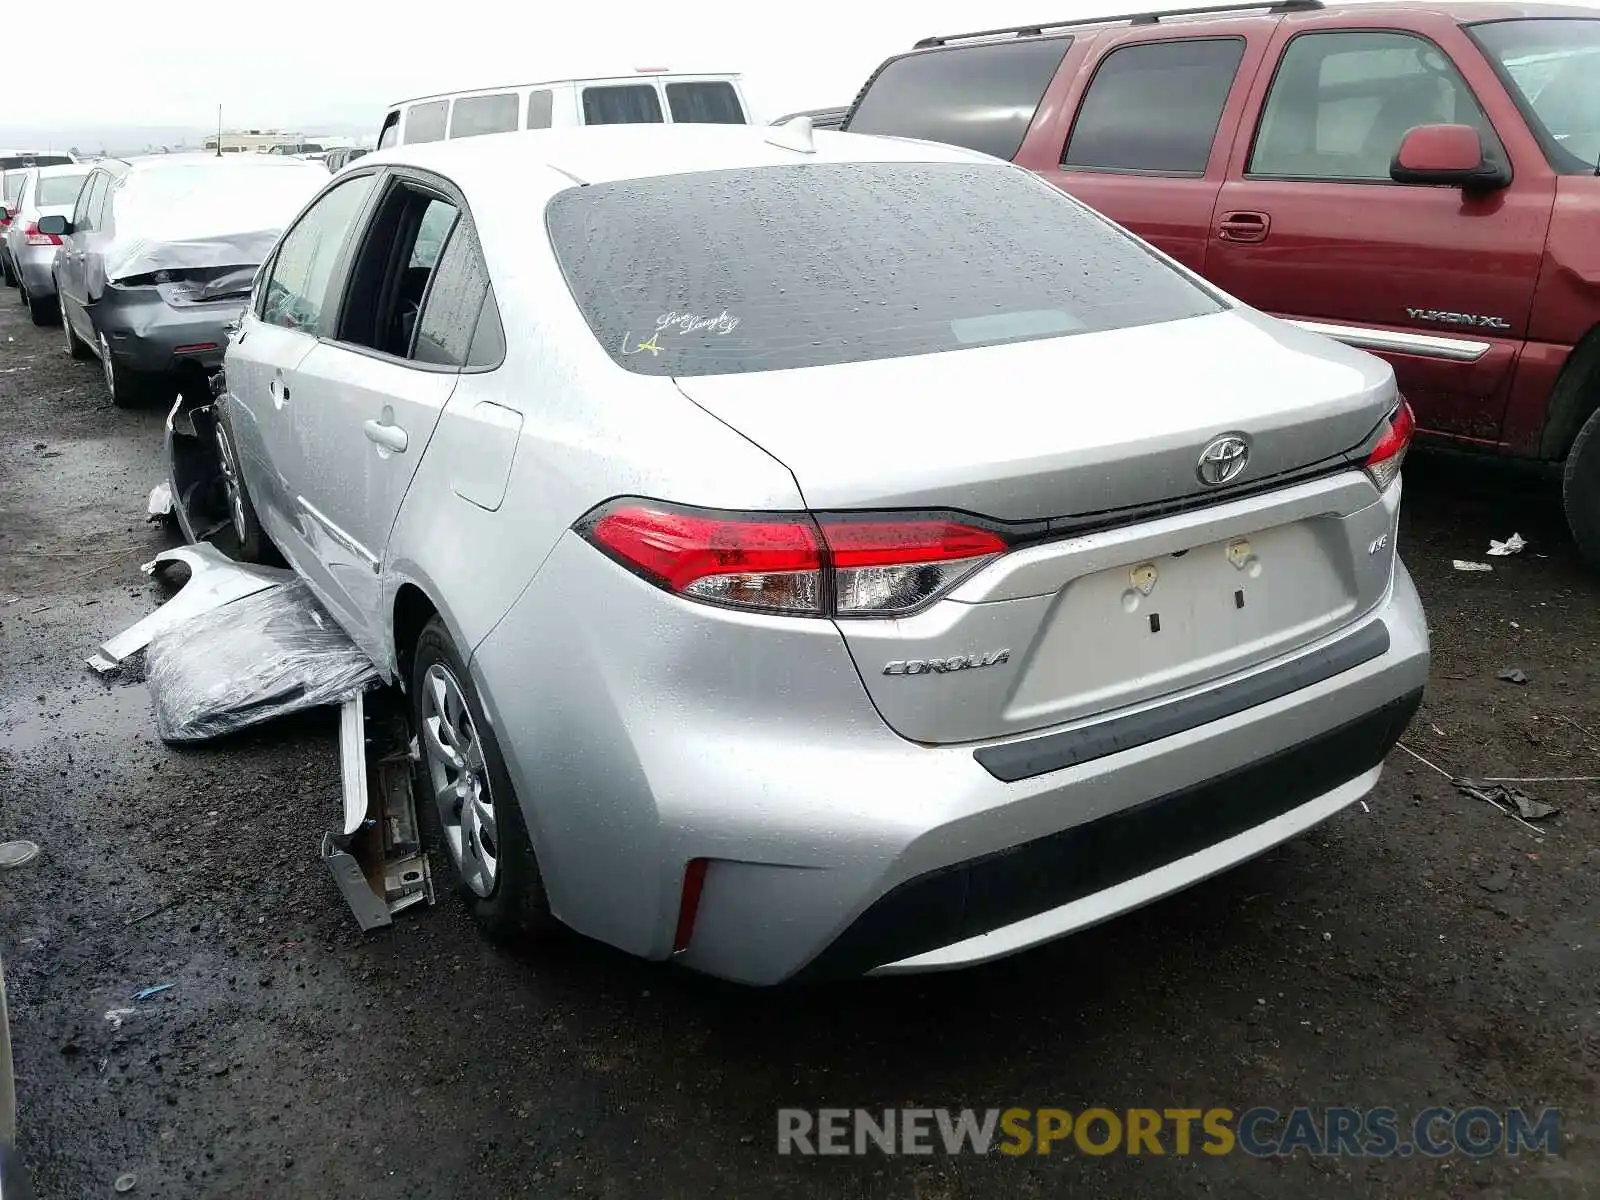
[(1378, 12), (604, 153), (614, 76), (245, 162)]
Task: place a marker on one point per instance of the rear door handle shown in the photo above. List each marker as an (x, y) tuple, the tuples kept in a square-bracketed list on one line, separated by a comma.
[(1244, 227), (279, 390), (389, 436)]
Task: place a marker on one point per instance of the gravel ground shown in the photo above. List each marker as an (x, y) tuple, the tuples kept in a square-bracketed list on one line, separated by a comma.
[(1423, 950)]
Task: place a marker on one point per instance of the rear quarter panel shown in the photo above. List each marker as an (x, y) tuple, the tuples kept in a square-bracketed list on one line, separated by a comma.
[(590, 431)]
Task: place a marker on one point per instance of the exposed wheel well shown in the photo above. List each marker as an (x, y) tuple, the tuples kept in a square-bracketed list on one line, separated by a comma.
[(1574, 398), (412, 611)]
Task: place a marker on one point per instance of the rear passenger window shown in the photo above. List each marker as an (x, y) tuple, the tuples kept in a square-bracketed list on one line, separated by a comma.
[(101, 213), (627, 104), (455, 298), (980, 97), (541, 107), (390, 132), (383, 305), (712, 102), (1341, 102), (473, 115), (489, 339), (425, 122), (82, 212), (1155, 107)]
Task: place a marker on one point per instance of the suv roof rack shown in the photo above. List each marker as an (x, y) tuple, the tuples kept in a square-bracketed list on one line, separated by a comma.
[(1140, 18)]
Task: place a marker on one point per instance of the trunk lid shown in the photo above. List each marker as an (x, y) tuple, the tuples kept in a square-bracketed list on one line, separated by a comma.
[(1059, 426), (1095, 621)]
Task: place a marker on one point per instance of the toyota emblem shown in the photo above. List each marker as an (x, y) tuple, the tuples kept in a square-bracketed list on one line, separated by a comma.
[(1223, 460)]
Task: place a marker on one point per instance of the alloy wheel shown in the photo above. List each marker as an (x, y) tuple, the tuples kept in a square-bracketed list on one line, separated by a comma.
[(106, 367), (459, 780), (230, 482)]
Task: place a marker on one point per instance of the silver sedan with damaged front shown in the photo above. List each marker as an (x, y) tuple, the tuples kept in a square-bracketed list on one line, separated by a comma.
[(155, 258), (813, 554)]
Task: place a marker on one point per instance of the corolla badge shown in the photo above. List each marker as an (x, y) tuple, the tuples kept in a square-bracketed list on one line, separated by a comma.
[(943, 666), (1223, 460)]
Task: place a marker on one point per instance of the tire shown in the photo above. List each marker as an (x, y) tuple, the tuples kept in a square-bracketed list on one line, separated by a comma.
[(41, 311), (77, 348), (1580, 490), (246, 525), (508, 901), (11, 275), (128, 389)]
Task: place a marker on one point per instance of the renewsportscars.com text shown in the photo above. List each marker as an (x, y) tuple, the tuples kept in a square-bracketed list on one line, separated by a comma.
[(1260, 1132)]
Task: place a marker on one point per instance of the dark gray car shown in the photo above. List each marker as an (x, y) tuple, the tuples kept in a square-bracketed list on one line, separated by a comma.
[(158, 257)]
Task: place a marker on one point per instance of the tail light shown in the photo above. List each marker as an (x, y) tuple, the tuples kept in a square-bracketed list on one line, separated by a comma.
[(844, 565), (1383, 464), (31, 233)]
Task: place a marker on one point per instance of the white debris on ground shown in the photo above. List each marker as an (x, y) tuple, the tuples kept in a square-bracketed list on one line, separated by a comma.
[(1512, 545)]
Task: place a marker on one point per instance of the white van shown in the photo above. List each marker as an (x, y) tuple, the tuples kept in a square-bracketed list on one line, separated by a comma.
[(645, 97)]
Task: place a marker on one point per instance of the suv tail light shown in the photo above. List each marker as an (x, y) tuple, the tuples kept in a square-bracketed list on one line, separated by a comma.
[(30, 231), (844, 565), (1383, 464)]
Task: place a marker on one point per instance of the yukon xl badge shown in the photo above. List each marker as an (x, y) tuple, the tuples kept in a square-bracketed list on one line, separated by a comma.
[(1465, 320), (943, 666)]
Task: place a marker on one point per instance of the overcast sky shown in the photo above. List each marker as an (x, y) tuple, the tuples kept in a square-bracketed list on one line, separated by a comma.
[(296, 63)]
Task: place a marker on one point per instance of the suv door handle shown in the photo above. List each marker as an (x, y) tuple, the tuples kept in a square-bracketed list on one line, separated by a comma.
[(1244, 227), (390, 437)]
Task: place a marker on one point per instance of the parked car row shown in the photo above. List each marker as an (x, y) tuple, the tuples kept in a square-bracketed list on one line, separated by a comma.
[(1417, 181), (146, 261)]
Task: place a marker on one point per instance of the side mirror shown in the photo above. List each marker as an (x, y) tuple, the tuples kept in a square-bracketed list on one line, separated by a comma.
[(5, 214), (57, 225), (1448, 156)]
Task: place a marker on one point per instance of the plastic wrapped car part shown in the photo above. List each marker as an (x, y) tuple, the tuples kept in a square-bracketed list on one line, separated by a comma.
[(266, 655), (200, 213)]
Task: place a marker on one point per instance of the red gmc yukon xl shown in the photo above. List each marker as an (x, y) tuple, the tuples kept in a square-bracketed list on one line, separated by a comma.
[(1417, 180)]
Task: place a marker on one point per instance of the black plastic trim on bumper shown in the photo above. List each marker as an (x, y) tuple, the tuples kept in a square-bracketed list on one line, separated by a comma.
[(1052, 752), (953, 903)]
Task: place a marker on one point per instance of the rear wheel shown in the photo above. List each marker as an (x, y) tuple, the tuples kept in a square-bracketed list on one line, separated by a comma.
[(41, 311), (1580, 490), (129, 389), (462, 786), (246, 525), (77, 348), (11, 275)]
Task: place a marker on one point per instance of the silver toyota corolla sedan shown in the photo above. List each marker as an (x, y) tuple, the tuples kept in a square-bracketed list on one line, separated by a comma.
[(816, 554)]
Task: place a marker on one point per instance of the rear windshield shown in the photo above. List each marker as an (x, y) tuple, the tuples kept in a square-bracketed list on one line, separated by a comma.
[(770, 268), (10, 161), (60, 189), (980, 97), (708, 102)]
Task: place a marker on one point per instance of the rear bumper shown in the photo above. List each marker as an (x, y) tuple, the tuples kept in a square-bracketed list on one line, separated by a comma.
[(837, 847), (997, 905), (148, 335)]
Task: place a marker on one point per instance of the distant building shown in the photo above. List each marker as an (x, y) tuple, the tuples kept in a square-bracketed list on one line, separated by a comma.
[(252, 141)]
